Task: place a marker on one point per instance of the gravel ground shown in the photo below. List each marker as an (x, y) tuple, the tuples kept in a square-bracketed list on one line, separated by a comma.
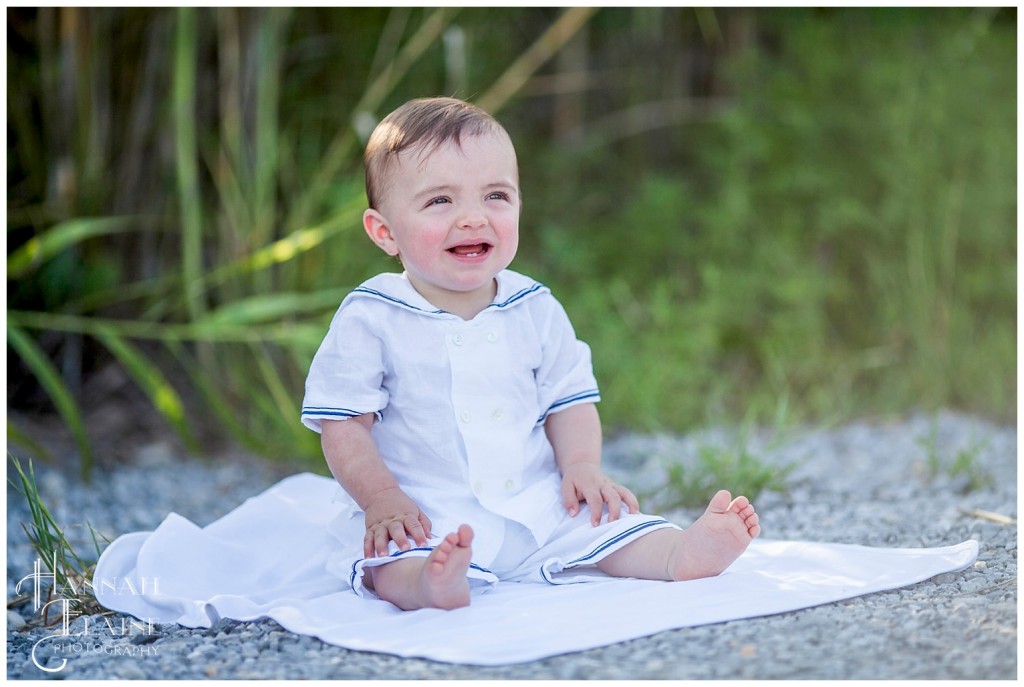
[(881, 484)]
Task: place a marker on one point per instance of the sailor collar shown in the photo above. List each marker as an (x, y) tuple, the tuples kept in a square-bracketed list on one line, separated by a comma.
[(396, 289)]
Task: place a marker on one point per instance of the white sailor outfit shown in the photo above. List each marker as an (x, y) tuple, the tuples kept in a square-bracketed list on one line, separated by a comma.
[(460, 411)]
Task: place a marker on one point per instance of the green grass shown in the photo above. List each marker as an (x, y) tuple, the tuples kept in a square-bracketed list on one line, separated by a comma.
[(72, 572), (963, 465), (832, 236), (693, 485), (842, 243), (214, 297)]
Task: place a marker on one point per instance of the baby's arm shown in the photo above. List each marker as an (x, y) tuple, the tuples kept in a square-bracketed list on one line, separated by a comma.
[(575, 435), (355, 462)]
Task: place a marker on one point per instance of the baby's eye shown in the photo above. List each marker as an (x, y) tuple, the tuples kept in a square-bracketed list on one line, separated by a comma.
[(497, 195), (437, 201)]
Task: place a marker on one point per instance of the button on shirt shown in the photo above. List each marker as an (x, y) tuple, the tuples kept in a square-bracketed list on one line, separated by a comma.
[(460, 404)]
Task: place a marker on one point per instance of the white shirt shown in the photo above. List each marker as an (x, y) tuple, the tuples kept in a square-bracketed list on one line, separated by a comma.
[(460, 404)]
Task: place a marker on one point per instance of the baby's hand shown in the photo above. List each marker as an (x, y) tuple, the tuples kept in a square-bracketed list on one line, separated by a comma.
[(393, 516), (584, 482)]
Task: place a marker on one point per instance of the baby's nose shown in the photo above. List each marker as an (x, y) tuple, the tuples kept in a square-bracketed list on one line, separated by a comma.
[(472, 219)]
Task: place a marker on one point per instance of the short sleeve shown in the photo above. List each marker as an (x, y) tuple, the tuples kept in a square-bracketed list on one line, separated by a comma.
[(345, 377), (566, 376)]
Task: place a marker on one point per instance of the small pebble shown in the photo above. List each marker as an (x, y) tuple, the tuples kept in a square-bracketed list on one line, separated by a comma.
[(14, 621)]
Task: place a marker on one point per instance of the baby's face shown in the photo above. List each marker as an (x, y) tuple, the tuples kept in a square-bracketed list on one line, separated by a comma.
[(452, 216)]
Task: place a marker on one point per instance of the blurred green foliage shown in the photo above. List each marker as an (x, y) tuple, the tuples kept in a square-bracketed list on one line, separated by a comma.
[(841, 242), (691, 486), (764, 216)]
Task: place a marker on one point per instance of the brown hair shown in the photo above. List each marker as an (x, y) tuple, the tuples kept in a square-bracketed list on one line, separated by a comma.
[(428, 122)]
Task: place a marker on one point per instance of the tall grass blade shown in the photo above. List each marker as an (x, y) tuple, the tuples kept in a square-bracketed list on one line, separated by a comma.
[(70, 570), (16, 436), (218, 400), (59, 237), (390, 37), (183, 97), (273, 22), (341, 149), (286, 403), (154, 331), (49, 378), (543, 49), (294, 245), (151, 380), (122, 294), (272, 422), (273, 307)]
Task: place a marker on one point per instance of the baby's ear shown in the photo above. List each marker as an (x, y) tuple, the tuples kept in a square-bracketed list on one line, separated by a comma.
[(379, 230)]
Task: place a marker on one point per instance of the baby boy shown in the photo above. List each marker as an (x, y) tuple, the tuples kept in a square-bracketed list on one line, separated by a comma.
[(454, 398)]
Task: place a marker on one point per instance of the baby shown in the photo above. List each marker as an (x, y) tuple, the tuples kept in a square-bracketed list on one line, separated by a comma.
[(455, 397)]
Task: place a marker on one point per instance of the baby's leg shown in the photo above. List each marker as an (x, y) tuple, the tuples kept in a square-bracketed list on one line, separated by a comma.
[(437, 581), (705, 549)]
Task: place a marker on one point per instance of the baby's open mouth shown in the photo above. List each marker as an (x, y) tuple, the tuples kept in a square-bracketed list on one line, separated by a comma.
[(470, 250)]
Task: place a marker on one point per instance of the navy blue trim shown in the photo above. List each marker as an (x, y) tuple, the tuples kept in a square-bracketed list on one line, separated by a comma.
[(631, 532), (398, 554), (614, 540), (518, 296), (397, 301), (333, 412), (581, 396)]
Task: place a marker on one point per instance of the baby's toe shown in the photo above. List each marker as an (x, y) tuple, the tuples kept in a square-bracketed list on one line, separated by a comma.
[(740, 504)]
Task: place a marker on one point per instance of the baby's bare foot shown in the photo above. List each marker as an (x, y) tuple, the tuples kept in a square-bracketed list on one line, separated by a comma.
[(443, 582), (716, 539)]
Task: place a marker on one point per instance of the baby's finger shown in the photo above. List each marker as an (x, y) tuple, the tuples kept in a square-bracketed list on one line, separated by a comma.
[(397, 531), (368, 547), (380, 540), (415, 530), (596, 504), (629, 498), (426, 524), (570, 499), (614, 501)]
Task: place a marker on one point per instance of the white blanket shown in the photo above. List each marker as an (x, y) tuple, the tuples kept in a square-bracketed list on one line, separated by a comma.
[(266, 559)]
